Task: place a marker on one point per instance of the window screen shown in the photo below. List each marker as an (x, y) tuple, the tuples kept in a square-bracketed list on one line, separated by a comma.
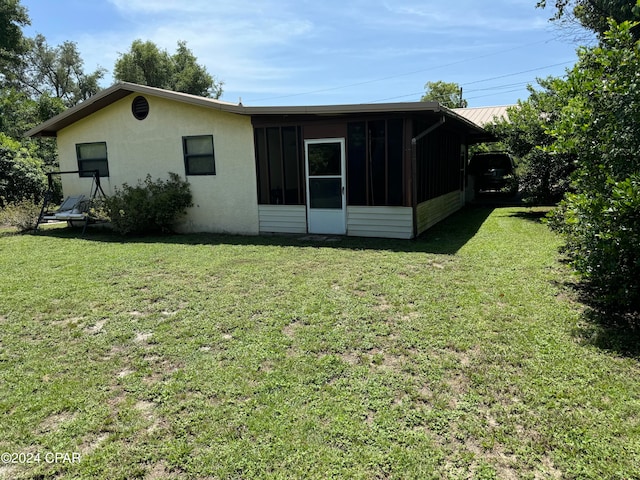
[(199, 158), (91, 157)]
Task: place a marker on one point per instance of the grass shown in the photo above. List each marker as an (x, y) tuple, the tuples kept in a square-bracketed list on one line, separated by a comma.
[(458, 355)]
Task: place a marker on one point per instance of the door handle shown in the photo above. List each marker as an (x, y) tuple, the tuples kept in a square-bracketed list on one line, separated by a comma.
[(343, 190)]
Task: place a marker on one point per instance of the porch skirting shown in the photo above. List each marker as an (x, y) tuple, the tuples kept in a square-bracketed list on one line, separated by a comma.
[(432, 211), (282, 218), (385, 222)]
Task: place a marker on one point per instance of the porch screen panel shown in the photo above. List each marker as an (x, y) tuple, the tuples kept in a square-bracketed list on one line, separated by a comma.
[(356, 163), (375, 157), (279, 167), (395, 170), (262, 165), (292, 166), (438, 165), (378, 162), (276, 183)]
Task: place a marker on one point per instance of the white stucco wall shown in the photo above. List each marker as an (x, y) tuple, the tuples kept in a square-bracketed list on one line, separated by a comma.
[(224, 202)]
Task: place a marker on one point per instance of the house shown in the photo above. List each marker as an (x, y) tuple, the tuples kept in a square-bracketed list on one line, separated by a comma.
[(383, 170)]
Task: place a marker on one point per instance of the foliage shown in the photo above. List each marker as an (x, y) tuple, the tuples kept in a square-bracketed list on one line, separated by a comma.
[(22, 214), (544, 175), (54, 71), (19, 113), (21, 174), (150, 206), (448, 94), (603, 241), (146, 64), (599, 127), (13, 16), (595, 14)]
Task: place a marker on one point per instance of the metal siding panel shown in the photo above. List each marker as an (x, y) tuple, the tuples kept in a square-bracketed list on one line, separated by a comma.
[(282, 218), (386, 222)]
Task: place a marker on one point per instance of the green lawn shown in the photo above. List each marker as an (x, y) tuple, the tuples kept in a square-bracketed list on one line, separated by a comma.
[(464, 354)]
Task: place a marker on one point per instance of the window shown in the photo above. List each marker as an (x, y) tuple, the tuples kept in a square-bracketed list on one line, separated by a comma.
[(198, 155), (92, 157)]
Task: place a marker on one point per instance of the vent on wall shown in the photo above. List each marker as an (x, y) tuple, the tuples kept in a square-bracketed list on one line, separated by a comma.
[(140, 108)]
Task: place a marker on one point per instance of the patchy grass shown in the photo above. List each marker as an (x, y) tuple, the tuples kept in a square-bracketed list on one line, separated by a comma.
[(453, 356)]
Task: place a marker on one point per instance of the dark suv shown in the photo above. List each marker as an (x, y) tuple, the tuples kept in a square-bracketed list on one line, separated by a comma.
[(493, 172)]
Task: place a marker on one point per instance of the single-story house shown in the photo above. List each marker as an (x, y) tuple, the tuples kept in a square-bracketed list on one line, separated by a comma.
[(381, 170)]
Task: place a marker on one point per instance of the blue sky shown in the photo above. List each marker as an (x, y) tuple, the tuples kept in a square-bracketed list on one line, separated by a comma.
[(303, 52)]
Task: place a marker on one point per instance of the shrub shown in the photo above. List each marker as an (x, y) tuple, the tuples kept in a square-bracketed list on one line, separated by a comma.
[(21, 214), (150, 206), (603, 241), (21, 174)]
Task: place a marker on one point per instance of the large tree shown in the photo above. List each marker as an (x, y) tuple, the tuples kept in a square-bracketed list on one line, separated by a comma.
[(448, 94), (13, 17), (54, 71), (595, 14), (147, 64)]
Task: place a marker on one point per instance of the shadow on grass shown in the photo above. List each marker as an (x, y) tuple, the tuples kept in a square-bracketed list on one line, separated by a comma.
[(533, 214), (615, 332), (447, 237), (619, 333)]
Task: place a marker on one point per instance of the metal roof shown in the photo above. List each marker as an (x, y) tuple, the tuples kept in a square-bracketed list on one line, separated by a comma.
[(482, 116), (121, 90)]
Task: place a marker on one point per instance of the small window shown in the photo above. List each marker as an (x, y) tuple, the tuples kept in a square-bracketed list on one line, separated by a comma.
[(140, 108), (198, 155), (91, 157)]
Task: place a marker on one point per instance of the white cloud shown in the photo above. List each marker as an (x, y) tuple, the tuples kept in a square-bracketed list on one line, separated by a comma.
[(466, 16), (234, 40)]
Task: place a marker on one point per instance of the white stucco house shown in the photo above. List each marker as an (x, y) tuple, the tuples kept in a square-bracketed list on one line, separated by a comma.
[(384, 170)]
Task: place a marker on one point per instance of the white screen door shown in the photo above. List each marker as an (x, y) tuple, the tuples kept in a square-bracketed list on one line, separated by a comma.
[(326, 200)]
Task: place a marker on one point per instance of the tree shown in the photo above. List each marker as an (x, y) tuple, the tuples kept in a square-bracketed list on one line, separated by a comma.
[(13, 16), (448, 94), (54, 71), (21, 174), (146, 64), (544, 176), (598, 125), (595, 14)]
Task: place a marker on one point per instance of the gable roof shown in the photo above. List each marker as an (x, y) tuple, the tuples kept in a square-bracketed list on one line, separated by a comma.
[(121, 90)]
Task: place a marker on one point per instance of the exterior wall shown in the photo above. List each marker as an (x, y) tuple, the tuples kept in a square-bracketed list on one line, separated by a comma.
[(283, 218), (387, 222), (224, 202), (432, 211)]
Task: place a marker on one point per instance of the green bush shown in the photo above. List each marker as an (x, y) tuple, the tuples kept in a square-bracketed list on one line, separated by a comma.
[(150, 206), (603, 241), (22, 214), (21, 174)]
